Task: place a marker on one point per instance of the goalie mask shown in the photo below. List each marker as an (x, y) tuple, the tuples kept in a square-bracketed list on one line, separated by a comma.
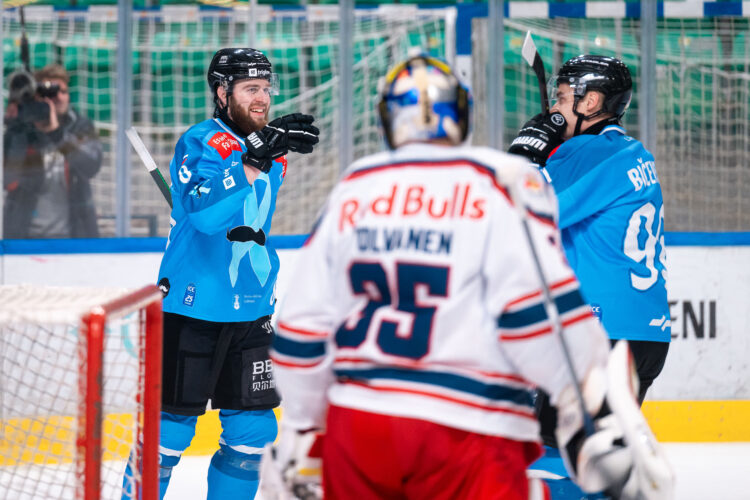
[(421, 99), (231, 65)]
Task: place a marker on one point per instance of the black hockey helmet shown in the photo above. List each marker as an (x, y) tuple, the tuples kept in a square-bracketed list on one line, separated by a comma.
[(607, 75), (230, 65)]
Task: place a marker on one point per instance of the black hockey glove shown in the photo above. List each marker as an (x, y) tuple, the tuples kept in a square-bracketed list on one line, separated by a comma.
[(260, 153), (294, 132), (539, 137)]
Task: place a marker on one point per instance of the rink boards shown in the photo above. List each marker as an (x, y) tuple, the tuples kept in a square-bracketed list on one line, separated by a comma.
[(703, 394)]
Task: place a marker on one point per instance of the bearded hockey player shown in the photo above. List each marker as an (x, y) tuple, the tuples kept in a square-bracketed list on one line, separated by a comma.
[(219, 270)]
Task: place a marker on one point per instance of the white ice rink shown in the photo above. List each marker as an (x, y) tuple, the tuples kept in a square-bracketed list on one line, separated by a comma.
[(704, 472)]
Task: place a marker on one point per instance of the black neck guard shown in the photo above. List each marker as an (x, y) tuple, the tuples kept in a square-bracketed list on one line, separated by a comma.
[(597, 127)]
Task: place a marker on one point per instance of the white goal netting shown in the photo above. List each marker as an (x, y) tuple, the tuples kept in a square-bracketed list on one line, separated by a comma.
[(44, 434)]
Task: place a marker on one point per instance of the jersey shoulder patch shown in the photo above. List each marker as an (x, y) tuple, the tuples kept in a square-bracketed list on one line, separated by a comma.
[(224, 143), (282, 161)]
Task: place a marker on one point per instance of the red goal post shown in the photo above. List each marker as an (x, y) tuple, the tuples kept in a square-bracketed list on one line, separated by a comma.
[(80, 371)]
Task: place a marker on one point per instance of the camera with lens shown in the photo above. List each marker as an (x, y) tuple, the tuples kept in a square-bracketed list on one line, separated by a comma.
[(24, 91), (48, 89)]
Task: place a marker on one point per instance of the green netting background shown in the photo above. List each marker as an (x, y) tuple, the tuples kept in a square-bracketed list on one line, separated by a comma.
[(703, 91)]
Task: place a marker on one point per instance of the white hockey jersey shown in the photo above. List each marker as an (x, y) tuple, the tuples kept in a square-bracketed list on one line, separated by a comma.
[(416, 295)]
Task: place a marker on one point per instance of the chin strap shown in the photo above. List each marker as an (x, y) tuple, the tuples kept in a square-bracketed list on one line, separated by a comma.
[(581, 116), (219, 110)]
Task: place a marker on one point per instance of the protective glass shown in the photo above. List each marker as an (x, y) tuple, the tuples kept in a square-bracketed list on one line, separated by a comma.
[(577, 88), (273, 88), (274, 84)]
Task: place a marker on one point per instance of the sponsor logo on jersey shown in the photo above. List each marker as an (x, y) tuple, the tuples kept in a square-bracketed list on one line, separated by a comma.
[(531, 182), (596, 310), (189, 298), (224, 144), (282, 160), (662, 322), (164, 286), (236, 302), (415, 200)]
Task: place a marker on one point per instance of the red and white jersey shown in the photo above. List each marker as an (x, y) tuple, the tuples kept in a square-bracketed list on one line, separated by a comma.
[(416, 295)]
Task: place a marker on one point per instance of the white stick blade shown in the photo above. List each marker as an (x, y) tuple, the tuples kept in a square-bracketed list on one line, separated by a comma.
[(528, 50), (140, 148)]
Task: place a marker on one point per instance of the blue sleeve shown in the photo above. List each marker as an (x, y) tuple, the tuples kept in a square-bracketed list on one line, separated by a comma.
[(211, 190), (592, 191)]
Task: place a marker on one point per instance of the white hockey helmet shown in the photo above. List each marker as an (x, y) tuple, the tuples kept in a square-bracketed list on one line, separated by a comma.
[(421, 99)]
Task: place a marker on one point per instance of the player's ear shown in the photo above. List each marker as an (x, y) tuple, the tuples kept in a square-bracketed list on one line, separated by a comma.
[(221, 93), (594, 102)]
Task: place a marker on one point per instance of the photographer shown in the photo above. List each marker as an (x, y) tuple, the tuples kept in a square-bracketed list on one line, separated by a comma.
[(51, 153)]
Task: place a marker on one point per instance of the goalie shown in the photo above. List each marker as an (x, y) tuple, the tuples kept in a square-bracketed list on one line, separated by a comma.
[(409, 348)]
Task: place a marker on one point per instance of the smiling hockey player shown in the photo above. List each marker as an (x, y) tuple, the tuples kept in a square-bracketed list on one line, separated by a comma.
[(219, 270)]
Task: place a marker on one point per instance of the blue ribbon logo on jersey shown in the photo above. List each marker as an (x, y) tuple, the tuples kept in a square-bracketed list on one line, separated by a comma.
[(254, 216)]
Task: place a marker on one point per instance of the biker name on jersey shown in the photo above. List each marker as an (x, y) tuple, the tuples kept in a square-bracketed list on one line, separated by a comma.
[(643, 174)]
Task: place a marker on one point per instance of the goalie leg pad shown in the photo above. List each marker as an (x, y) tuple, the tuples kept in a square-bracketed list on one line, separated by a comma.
[(622, 456)]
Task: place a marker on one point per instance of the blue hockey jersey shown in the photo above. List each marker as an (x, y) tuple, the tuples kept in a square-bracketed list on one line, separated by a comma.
[(612, 223), (206, 274)]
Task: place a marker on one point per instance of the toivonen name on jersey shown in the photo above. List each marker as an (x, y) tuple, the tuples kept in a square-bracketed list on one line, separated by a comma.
[(413, 200), (384, 239)]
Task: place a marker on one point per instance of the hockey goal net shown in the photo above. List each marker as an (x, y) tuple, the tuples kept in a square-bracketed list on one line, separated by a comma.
[(80, 389)]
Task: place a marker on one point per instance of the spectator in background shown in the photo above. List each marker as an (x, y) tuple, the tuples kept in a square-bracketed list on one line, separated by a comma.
[(51, 154)]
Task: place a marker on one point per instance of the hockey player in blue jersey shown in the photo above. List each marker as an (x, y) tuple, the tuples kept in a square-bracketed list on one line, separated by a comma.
[(611, 209), (219, 270)]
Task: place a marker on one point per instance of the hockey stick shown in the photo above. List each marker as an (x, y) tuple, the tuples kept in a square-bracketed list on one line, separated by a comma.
[(531, 55), (149, 163), (549, 303)]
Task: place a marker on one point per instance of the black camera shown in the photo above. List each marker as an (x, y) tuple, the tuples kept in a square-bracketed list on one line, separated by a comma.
[(48, 89), (23, 90)]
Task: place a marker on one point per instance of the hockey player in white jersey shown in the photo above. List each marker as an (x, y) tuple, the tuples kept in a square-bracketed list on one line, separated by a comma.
[(409, 347)]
